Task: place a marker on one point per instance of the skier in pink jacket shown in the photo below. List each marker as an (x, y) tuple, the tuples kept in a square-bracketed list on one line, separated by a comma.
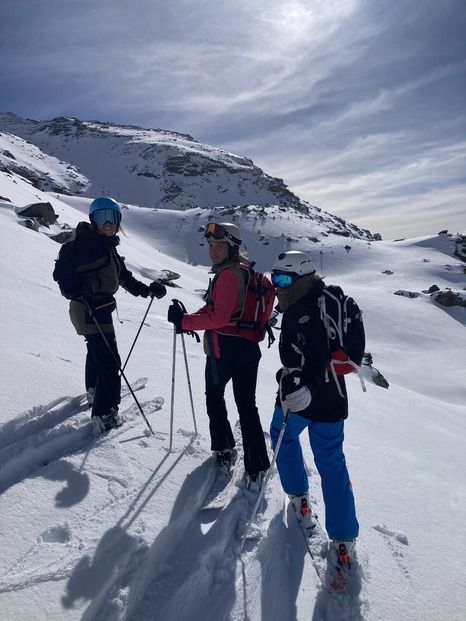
[(229, 356)]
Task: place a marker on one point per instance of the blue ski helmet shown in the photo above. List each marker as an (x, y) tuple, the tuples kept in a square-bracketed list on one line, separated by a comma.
[(104, 210)]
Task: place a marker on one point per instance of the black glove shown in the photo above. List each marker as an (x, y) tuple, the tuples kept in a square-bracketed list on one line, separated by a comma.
[(291, 383), (157, 289), (69, 294), (86, 299), (175, 316)]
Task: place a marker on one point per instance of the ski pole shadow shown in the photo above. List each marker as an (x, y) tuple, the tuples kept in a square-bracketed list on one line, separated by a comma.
[(278, 598), (149, 496), (121, 560), (192, 573)]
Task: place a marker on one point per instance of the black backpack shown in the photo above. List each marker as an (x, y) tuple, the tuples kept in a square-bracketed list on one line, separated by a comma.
[(64, 272), (345, 331)]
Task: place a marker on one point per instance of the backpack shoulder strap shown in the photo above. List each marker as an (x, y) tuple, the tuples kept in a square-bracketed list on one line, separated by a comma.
[(242, 275)]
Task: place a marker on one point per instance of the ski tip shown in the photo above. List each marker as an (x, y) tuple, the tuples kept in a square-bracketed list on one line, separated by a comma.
[(340, 583), (158, 401)]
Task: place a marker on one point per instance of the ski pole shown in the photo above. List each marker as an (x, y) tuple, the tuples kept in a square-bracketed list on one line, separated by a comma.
[(89, 310), (269, 472), (182, 308), (189, 382), (137, 335), (266, 480), (173, 390)]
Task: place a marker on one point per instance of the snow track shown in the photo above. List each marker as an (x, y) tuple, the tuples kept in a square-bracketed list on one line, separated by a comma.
[(172, 551), (46, 433)]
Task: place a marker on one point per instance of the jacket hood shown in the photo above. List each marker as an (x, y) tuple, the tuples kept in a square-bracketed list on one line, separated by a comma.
[(310, 285), (84, 230)]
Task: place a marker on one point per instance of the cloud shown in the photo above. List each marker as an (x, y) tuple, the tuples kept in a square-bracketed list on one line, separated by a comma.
[(343, 94)]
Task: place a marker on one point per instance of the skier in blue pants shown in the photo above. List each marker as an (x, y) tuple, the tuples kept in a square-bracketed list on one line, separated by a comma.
[(314, 401), (327, 446)]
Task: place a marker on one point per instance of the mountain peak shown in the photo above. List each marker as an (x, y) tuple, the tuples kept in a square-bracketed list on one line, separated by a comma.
[(152, 168)]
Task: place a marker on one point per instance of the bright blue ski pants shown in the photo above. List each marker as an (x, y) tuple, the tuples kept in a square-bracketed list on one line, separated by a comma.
[(327, 446)]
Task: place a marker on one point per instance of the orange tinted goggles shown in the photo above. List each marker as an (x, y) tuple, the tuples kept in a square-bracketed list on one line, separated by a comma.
[(217, 231)]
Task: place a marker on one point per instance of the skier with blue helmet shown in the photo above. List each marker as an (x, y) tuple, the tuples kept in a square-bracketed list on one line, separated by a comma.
[(89, 271)]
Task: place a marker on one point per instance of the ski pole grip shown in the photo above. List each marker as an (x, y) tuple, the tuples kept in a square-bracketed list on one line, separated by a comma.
[(180, 305)]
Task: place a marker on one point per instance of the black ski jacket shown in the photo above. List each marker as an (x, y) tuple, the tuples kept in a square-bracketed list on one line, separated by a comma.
[(303, 343), (90, 264)]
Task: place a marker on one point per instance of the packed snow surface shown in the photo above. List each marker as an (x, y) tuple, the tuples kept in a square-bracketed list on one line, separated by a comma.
[(115, 527)]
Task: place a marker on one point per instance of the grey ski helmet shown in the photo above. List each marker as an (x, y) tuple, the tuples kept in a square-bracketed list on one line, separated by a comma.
[(294, 262), (224, 231)]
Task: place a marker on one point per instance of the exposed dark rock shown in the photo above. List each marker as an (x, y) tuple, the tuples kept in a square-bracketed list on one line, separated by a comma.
[(449, 298), (32, 224), (43, 212), (460, 250), (407, 294), (62, 237)]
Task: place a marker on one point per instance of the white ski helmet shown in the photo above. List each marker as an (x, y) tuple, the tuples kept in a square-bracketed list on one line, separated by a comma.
[(224, 231), (294, 262)]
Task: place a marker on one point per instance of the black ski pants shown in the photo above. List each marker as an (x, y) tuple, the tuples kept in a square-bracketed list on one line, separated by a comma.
[(238, 362), (102, 372)]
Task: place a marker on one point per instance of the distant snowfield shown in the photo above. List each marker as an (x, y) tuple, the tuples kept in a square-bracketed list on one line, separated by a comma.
[(113, 527)]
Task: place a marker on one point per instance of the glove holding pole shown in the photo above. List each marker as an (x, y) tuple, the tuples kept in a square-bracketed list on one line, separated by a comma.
[(86, 299), (176, 311), (175, 315), (294, 394), (157, 289)]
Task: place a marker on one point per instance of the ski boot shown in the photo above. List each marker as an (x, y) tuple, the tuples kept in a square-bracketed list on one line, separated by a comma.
[(345, 552), (106, 422), (226, 460), (303, 511), (254, 481)]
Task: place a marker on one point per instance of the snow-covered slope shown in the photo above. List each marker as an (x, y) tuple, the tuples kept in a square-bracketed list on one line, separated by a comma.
[(113, 528)]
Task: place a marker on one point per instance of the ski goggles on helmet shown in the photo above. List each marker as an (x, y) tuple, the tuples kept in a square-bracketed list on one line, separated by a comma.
[(282, 280), (101, 216), (219, 232)]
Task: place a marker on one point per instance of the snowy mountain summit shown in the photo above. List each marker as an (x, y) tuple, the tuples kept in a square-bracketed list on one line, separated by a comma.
[(147, 167)]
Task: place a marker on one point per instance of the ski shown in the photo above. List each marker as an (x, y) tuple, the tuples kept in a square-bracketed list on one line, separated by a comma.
[(78, 403), (317, 544), (219, 494), (252, 532), (151, 406), (137, 385)]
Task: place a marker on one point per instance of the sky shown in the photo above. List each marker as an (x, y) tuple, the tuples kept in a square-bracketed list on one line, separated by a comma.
[(117, 528), (359, 106)]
